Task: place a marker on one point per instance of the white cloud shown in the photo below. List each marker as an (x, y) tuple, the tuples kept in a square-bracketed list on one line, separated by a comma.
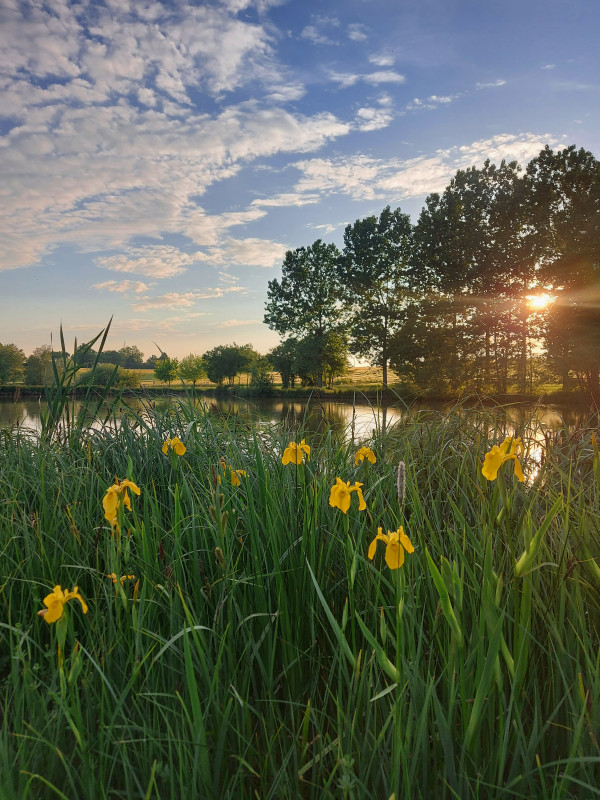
[(288, 199), (185, 300), (390, 180), (384, 76), (347, 79), (124, 287), (108, 174), (320, 30), (105, 144), (236, 323), (154, 261), (490, 84), (169, 300), (372, 119), (254, 252), (357, 32), (548, 66), (432, 102), (382, 59)]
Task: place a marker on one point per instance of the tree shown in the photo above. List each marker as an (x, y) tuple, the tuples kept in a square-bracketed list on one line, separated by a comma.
[(104, 374), (11, 363), (82, 357), (283, 359), (112, 357), (261, 381), (372, 271), (307, 299), (165, 369), (227, 361), (564, 197), (191, 368), (131, 357), (474, 245), (321, 356), (37, 366)]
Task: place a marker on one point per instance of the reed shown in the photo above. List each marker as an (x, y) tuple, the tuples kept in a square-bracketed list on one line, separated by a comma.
[(240, 643)]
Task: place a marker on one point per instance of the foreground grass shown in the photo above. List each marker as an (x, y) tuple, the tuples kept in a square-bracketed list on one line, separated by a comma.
[(258, 653)]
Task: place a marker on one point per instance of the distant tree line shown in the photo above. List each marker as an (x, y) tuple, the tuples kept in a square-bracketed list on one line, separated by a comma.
[(456, 301), (221, 364)]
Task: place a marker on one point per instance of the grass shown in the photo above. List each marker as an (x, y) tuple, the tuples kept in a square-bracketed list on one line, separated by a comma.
[(258, 652)]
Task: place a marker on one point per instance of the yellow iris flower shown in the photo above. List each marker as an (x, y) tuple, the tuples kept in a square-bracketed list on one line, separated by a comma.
[(397, 542), (175, 444), (509, 449), (115, 497), (294, 453), (234, 474), (364, 452), (56, 601), (339, 497)]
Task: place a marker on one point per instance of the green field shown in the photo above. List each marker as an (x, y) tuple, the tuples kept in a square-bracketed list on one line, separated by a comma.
[(253, 650)]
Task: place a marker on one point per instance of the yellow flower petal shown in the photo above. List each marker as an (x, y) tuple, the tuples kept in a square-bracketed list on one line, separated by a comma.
[(361, 500), (293, 453), (364, 452), (131, 485), (373, 546), (394, 555), (492, 463), (405, 541), (179, 447), (519, 471)]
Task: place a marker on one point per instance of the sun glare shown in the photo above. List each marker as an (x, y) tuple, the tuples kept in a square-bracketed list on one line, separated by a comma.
[(538, 302)]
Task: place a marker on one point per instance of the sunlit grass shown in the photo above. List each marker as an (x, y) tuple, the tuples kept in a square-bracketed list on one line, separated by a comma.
[(252, 649)]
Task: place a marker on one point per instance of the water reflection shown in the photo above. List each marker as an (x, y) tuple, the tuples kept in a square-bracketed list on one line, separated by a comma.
[(358, 421)]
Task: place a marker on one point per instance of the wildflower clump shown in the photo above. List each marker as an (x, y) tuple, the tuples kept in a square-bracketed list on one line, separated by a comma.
[(117, 497), (510, 449), (397, 542), (339, 497), (294, 453), (364, 452), (55, 603)]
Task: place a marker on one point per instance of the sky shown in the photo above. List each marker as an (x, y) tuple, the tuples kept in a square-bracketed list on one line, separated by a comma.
[(157, 159)]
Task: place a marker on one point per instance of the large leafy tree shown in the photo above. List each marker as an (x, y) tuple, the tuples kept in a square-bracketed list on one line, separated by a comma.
[(37, 366), (372, 270), (131, 357), (321, 357), (11, 363), (165, 369), (191, 368), (283, 358), (307, 299), (228, 360), (474, 247), (564, 193)]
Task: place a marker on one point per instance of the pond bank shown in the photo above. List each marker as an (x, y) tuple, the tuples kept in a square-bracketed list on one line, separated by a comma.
[(342, 393)]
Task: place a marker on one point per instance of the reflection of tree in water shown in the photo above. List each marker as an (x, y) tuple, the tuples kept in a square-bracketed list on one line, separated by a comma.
[(317, 417), (23, 413)]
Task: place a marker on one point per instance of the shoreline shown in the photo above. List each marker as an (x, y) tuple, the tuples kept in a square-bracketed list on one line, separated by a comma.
[(347, 393)]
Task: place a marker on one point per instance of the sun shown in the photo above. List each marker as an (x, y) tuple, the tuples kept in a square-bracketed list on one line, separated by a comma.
[(539, 302)]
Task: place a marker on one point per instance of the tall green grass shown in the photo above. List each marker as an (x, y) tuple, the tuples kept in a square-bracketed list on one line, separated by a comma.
[(261, 654)]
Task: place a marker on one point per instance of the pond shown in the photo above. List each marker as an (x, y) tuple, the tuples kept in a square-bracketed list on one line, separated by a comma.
[(360, 419)]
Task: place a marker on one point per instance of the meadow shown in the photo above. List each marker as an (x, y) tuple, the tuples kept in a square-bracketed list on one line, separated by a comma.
[(227, 634)]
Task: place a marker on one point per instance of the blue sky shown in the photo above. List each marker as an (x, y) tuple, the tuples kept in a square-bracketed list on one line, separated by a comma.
[(157, 159)]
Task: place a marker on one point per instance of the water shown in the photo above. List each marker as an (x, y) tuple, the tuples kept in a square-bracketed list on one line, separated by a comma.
[(361, 418)]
